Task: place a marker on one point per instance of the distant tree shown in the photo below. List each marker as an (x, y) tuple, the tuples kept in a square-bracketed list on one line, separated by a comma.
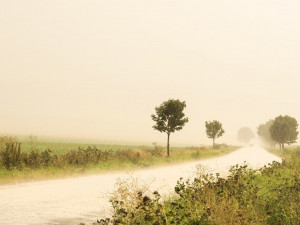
[(169, 118), (284, 130), (245, 135), (264, 132), (214, 130)]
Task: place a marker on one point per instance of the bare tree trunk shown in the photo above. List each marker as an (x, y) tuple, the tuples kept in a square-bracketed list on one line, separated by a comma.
[(281, 146), (213, 142), (168, 145)]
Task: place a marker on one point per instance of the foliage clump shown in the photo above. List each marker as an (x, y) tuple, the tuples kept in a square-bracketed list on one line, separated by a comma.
[(245, 135)]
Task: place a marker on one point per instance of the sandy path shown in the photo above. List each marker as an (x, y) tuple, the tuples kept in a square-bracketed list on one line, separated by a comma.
[(84, 199)]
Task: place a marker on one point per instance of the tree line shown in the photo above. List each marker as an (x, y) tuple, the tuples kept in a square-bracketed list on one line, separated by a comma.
[(281, 130), (169, 117)]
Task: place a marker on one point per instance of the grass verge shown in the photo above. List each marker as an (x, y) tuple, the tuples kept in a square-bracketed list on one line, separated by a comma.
[(17, 166)]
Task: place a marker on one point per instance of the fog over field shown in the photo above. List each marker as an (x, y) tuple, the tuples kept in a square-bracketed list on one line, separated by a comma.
[(96, 69)]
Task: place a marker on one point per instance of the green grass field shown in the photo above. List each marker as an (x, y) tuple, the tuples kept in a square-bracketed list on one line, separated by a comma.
[(61, 147), (64, 147)]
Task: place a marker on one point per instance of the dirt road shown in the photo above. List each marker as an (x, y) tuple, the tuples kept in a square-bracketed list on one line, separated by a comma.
[(85, 199)]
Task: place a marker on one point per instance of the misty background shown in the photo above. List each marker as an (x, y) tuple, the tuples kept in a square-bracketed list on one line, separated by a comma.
[(96, 69)]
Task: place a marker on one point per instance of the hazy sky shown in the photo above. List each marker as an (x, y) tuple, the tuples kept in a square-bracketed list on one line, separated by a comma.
[(96, 69)]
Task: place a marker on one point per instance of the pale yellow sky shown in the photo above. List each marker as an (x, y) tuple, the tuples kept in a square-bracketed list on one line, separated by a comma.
[(96, 69)]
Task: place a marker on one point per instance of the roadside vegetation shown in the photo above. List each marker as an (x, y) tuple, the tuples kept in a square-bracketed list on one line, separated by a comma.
[(270, 195), (37, 162)]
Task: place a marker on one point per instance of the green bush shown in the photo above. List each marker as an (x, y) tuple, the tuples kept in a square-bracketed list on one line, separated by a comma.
[(157, 151), (11, 157), (269, 195)]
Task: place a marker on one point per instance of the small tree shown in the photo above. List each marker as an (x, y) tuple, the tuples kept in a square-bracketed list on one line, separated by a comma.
[(169, 118), (214, 130), (245, 135), (284, 130)]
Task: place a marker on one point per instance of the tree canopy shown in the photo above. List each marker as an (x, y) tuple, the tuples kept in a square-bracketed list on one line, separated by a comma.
[(284, 130), (214, 130), (169, 118), (263, 131), (245, 135)]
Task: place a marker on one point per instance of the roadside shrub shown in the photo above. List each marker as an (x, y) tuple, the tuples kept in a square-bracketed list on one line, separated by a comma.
[(46, 158), (124, 154), (6, 140), (34, 160), (11, 156), (269, 195), (217, 146), (196, 154), (157, 151)]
